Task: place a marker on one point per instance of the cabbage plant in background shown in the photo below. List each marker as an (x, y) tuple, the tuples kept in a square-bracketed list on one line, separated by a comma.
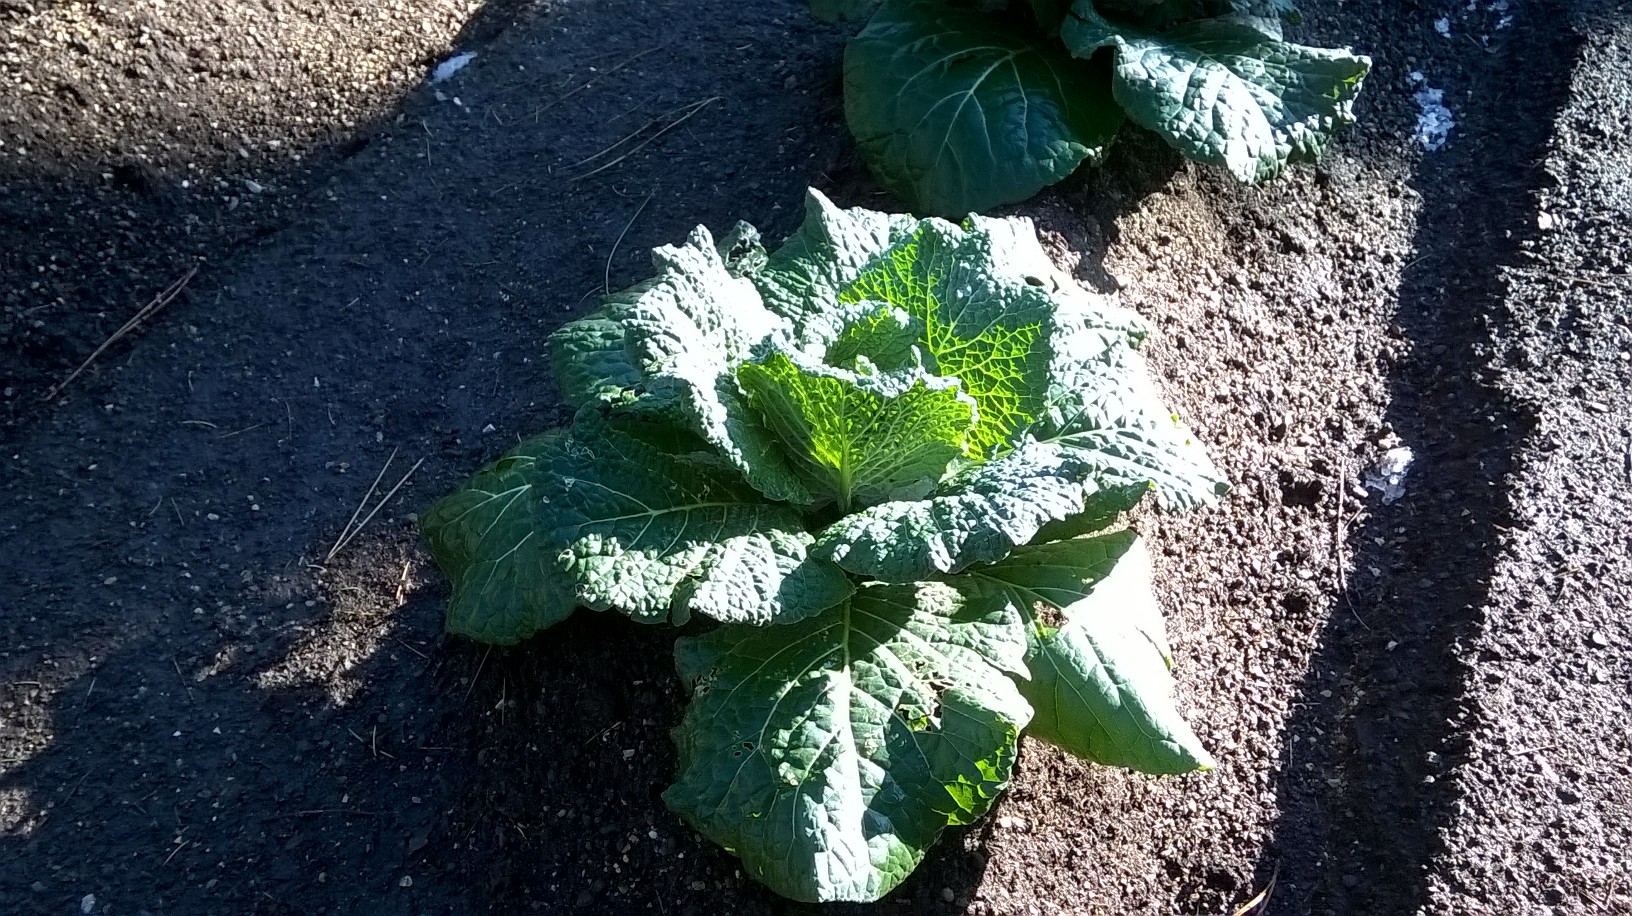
[(880, 472), (963, 106)]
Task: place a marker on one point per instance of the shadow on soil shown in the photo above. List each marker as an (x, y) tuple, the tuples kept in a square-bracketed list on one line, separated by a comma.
[(246, 732), (254, 734), (84, 245), (1376, 733)]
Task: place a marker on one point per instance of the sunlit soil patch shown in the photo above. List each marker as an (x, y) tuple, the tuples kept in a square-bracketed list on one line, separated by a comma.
[(362, 588)]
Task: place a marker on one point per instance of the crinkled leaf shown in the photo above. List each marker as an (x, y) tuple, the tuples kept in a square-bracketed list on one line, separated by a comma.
[(590, 362), (661, 536), (882, 336), (861, 439), (742, 250), (1276, 10), (977, 516), (1223, 92), (1011, 244), (1098, 655), (685, 332), (1104, 439), (980, 323), (829, 754), (801, 281), (1110, 421), (1106, 414), (1148, 14), (489, 537), (958, 111)]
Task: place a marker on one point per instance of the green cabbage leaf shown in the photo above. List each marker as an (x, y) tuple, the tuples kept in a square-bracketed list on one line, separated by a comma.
[(870, 457)]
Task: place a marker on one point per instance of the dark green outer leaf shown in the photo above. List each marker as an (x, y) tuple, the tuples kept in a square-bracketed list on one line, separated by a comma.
[(490, 538), (1109, 419), (661, 536), (1223, 92), (958, 111), (1098, 656), (1149, 14), (1273, 10), (590, 362), (830, 753), (1048, 13)]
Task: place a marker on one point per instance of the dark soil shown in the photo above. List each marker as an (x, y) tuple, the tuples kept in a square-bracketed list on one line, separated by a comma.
[(1414, 705)]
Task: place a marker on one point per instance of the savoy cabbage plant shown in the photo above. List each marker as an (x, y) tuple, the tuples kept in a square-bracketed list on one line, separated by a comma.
[(887, 464), (963, 105)]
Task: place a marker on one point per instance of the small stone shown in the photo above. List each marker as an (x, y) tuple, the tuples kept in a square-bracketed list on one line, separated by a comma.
[(1544, 221), (407, 881), (1350, 881), (1598, 639), (947, 895)]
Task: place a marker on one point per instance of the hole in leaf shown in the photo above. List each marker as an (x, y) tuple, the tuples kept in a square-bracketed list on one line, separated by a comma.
[(1048, 615)]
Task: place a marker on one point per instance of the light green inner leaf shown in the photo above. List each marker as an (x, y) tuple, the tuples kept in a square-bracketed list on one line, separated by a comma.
[(988, 330), (861, 439)]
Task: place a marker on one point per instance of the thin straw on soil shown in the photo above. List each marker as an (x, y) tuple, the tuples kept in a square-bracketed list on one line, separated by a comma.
[(147, 311)]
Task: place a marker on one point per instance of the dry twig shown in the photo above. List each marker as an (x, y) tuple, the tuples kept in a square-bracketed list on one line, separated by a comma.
[(354, 527), (591, 81), (606, 285), (478, 675), (147, 311), (685, 111), (1260, 900)]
